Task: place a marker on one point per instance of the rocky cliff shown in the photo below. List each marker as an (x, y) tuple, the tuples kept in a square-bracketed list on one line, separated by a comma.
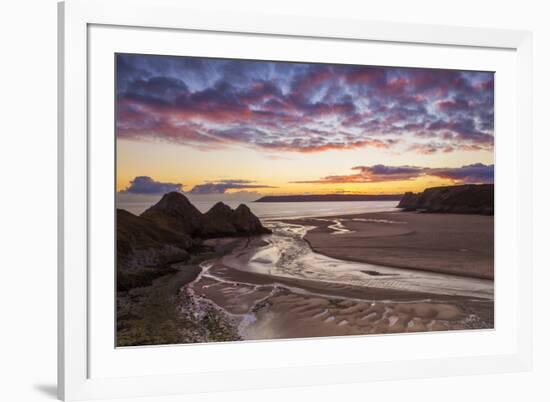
[(174, 212), (221, 220), (217, 221), (141, 242), (462, 199), (169, 231)]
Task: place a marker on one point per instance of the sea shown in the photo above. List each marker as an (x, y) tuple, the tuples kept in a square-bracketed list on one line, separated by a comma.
[(280, 210)]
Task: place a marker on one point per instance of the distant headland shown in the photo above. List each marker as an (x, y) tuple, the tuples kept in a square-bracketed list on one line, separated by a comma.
[(330, 197), (462, 199)]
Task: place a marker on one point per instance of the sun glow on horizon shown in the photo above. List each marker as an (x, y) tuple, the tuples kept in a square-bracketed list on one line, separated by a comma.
[(222, 126)]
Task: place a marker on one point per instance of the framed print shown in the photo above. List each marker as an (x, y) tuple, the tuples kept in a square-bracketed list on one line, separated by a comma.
[(259, 236), (243, 198)]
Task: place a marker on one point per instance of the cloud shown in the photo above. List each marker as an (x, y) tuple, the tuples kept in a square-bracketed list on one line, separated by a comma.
[(301, 107), (474, 174), (220, 187), (147, 185)]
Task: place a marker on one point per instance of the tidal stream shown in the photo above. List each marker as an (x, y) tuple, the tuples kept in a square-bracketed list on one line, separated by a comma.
[(285, 253)]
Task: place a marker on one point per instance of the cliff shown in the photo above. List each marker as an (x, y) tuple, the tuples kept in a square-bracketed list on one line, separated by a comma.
[(169, 231), (174, 212), (141, 242), (462, 199), (221, 220)]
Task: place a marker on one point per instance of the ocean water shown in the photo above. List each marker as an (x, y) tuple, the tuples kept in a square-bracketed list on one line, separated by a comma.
[(279, 210)]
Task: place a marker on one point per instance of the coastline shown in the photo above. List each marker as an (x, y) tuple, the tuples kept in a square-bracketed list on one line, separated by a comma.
[(215, 301), (271, 307), (165, 311), (408, 240)]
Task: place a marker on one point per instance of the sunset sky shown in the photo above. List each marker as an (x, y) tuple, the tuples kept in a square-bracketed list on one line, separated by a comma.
[(220, 126)]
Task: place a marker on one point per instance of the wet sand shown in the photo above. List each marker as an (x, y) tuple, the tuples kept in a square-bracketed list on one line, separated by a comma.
[(445, 243), (246, 287), (374, 273), (271, 308)]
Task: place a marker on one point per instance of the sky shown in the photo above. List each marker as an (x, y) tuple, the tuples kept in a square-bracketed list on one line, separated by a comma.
[(225, 127)]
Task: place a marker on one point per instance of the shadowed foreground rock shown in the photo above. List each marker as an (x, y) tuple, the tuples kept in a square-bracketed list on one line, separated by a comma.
[(145, 250), (141, 242), (463, 199), (171, 230)]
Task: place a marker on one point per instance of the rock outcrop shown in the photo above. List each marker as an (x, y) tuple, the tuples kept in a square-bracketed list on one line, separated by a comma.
[(217, 222), (168, 232), (143, 243), (221, 221), (462, 199), (409, 201), (174, 212), (169, 229), (246, 222)]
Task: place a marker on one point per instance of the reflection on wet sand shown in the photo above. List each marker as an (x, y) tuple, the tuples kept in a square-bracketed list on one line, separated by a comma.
[(275, 286)]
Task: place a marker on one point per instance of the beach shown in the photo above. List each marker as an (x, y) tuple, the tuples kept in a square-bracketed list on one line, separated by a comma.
[(366, 273), (280, 291), (447, 243)]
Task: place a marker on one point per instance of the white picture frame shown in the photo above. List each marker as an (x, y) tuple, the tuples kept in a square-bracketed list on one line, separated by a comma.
[(76, 20)]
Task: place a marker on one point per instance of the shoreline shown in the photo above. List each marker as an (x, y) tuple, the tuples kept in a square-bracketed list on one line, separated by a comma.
[(407, 240), (375, 262), (270, 307), (165, 311), (220, 302)]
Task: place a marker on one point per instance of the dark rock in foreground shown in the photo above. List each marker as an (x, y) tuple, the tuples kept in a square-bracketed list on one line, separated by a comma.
[(463, 199), (168, 232), (142, 243)]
